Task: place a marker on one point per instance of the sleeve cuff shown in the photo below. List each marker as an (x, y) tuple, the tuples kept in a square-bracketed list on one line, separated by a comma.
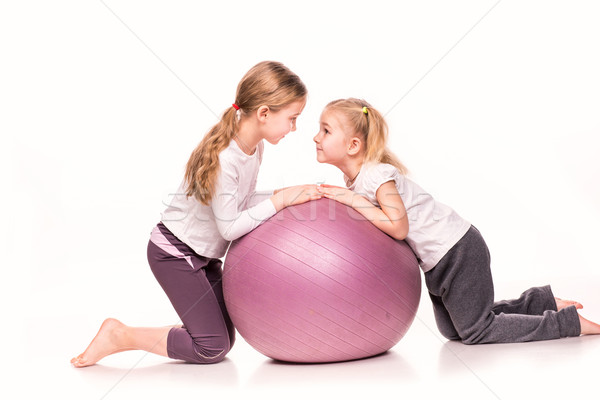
[(263, 210)]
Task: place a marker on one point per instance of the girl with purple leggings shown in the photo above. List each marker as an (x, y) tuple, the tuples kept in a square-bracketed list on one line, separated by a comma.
[(215, 204)]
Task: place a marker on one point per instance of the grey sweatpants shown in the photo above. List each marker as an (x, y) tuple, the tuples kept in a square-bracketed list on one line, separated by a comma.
[(462, 293)]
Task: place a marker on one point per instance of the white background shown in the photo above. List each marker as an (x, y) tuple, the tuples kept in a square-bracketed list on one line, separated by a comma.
[(493, 106)]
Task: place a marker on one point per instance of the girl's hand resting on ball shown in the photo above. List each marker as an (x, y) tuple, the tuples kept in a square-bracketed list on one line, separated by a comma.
[(294, 195), (337, 193)]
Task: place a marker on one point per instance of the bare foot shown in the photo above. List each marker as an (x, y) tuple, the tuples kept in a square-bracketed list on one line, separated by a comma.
[(589, 327), (108, 340), (560, 304)]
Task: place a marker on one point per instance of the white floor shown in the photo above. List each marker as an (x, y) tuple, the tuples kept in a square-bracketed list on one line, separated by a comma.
[(422, 365)]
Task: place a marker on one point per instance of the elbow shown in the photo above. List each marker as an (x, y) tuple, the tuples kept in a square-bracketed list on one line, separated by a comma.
[(400, 230), (231, 232), (227, 233), (229, 237), (401, 235)]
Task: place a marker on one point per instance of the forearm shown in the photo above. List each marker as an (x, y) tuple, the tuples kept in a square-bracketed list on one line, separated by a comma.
[(286, 197), (245, 221), (396, 227), (278, 200)]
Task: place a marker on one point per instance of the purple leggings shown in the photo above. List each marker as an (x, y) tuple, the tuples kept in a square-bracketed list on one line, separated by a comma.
[(193, 284)]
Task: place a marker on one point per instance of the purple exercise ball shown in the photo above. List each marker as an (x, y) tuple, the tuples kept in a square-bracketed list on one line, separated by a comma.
[(317, 282)]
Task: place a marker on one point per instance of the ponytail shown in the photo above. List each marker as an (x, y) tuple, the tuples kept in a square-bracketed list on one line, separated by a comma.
[(203, 165), (268, 83)]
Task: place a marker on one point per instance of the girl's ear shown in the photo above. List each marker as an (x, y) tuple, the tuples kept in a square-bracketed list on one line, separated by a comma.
[(262, 113), (354, 146)]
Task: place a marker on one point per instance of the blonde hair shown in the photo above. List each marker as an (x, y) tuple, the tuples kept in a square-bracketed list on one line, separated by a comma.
[(371, 127), (268, 83)]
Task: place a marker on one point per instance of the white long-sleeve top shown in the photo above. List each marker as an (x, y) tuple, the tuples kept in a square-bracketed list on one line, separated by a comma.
[(236, 208)]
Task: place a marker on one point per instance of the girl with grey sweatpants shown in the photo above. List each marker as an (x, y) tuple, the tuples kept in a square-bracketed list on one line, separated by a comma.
[(451, 252)]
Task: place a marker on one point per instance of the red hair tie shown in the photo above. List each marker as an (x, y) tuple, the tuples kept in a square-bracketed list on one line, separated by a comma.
[(235, 106)]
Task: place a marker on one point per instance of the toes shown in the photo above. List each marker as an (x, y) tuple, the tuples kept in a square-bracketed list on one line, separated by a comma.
[(573, 303), (560, 303), (78, 361)]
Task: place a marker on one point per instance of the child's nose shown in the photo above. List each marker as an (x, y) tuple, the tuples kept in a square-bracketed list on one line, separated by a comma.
[(316, 138)]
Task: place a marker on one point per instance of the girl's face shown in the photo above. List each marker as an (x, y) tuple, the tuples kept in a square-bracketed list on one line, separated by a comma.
[(282, 122), (333, 139)]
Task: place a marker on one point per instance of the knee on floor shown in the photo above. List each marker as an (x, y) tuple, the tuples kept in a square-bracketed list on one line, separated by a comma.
[(211, 352)]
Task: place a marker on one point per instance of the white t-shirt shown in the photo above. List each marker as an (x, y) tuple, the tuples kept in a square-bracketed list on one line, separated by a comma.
[(433, 227), (236, 208)]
